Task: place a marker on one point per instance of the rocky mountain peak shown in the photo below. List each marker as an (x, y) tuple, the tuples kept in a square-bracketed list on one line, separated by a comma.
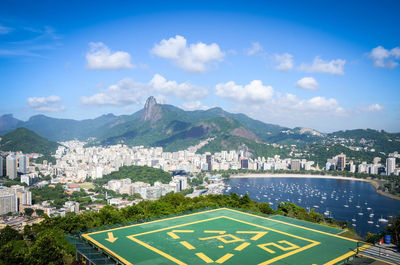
[(151, 111)]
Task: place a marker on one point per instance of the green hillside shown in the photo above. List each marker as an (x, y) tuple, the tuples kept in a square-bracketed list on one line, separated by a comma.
[(26, 141), (230, 142), (381, 141), (137, 173)]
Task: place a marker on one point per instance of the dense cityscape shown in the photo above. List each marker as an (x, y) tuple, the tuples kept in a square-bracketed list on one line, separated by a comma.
[(78, 166)]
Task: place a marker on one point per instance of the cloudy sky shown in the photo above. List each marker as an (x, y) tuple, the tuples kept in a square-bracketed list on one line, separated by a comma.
[(328, 65)]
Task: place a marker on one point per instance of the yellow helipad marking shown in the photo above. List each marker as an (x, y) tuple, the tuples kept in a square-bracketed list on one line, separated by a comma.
[(158, 251), (204, 257), (242, 246), (111, 237), (291, 246), (224, 258), (222, 238), (256, 237), (187, 245), (175, 236)]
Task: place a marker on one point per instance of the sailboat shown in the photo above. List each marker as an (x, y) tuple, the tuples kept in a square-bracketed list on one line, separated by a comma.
[(326, 212), (383, 220), (370, 221), (354, 219), (346, 205)]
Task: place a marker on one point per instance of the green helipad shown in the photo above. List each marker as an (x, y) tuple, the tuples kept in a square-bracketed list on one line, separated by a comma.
[(223, 236)]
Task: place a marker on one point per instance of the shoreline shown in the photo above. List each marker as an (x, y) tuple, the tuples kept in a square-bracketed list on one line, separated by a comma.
[(286, 175)]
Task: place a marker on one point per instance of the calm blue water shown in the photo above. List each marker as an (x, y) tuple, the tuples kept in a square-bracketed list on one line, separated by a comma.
[(329, 195)]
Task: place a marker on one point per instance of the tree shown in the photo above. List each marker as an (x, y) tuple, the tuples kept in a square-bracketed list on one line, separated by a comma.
[(9, 234), (13, 253), (265, 208), (45, 251), (29, 211), (39, 212)]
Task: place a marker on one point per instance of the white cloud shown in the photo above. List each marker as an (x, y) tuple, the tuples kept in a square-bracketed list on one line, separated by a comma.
[(371, 108), (253, 92), (5, 30), (316, 105), (194, 105), (184, 90), (375, 107), (255, 48), (385, 58), (320, 66), (285, 61), (307, 83), (127, 92), (100, 57), (45, 104), (192, 58), (124, 92)]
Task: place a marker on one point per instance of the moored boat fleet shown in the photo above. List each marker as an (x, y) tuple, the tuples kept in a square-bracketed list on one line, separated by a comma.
[(325, 201)]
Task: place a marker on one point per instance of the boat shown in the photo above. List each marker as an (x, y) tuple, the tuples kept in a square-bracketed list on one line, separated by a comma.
[(371, 215), (383, 220), (353, 224)]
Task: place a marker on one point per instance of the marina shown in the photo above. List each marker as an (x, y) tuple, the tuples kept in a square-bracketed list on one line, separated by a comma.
[(346, 200)]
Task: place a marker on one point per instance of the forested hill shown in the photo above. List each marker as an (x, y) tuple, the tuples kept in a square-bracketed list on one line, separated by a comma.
[(137, 173), (26, 141)]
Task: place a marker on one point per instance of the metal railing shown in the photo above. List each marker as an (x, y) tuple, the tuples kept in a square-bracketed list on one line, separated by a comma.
[(386, 254)]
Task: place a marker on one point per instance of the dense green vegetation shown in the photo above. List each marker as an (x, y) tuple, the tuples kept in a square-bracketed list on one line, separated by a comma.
[(57, 196), (230, 142), (320, 153), (49, 158), (24, 140), (382, 141), (137, 173), (44, 243)]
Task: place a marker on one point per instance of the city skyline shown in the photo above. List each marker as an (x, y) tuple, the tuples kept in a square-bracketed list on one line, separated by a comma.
[(326, 66)]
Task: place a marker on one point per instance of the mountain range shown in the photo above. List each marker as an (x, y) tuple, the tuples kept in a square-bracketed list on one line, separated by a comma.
[(175, 129)]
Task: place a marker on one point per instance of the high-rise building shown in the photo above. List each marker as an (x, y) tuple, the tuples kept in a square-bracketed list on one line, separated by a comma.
[(390, 165), (22, 164), (295, 164), (8, 201), (208, 161), (1, 166), (182, 182), (11, 166), (341, 162), (244, 163)]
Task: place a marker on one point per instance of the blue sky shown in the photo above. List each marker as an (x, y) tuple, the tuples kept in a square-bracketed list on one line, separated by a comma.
[(327, 65)]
